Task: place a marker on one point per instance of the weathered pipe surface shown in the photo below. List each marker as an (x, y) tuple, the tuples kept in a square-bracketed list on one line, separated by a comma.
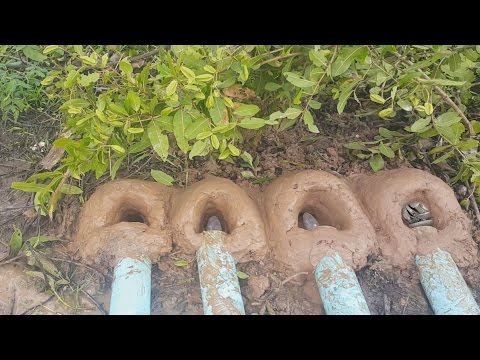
[(445, 287), (124, 218), (245, 237), (131, 287), (343, 226), (339, 288), (386, 193), (220, 289)]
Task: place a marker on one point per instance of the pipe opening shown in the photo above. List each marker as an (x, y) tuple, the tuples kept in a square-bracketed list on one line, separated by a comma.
[(131, 215), (417, 214), (311, 218), (213, 219)]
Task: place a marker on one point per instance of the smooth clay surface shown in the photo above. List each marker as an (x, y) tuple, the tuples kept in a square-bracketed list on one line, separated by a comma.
[(383, 196), (357, 217)]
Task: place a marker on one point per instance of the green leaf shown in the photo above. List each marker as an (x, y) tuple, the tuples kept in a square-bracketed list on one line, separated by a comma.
[(50, 48), (158, 140), (291, 113), (252, 123), (189, 74), (116, 166), (308, 120), (33, 54), (451, 133), (125, 67), (405, 105), (209, 69), (242, 275), (314, 104), (38, 240), (298, 81), (171, 88), (234, 150), (162, 177), (214, 141), (447, 119), (420, 125), (118, 148), (247, 174), (86, 80), (135, 130), (355, 146), (133, 101), (376, 162), (87, 60), (247, 158), (197, 149), (246, 110), (377, 98), (16, 241), (386, 150), (346, 57), (468, 144), (219, 111), (181, 263), (270, 86), (71, 189), (225, 154), (428, 108), (444, 157), (181, 121), (280, 115), (27, 187), (386, 113), (318, 57), (196, 127)]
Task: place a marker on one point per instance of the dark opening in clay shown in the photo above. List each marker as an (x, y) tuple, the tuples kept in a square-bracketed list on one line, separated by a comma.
[(319, 213), (416, 214), (131, 215), (208, 213)]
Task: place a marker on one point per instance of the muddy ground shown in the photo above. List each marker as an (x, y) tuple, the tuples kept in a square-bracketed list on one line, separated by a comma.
[(270, 288)]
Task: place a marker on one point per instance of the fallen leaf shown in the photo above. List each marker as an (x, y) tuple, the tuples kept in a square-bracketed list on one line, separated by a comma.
[(239, 92), (54, 155)]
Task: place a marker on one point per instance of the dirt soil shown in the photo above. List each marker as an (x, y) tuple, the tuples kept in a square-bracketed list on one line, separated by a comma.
[(270, 288)]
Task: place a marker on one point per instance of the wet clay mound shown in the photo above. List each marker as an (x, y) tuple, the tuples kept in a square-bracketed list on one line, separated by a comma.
[(124, 218), (385, 194), (239, 215), (344, 228)]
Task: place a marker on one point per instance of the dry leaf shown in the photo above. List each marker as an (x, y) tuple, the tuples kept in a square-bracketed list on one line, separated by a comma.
[(54, 155), (239, 92)]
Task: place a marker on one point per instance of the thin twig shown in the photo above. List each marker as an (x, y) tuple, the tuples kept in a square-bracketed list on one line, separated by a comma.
[(143, 56), (90, 297), (35, 306), (79, 264), (442, 93), (474, 203), (11, 260), (280, 57), (293, 276)]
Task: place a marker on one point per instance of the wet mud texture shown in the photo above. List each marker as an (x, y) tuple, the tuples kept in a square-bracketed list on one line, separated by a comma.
[(358, 217), (385, 194)]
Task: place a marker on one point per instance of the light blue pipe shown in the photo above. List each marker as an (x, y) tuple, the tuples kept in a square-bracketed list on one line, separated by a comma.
[(444, 286), (218, 277), (131, 288), (339, 288)]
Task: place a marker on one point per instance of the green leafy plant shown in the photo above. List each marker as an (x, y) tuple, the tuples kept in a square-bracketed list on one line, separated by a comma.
[(122, 102)]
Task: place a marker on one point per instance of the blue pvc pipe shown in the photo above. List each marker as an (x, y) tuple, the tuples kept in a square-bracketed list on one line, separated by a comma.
[(131, 288), (339, 289), (444, 286), (218, 277)]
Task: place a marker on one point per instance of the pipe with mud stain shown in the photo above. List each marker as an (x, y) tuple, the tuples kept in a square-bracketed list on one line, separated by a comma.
[(337, 283), (218, 276), (131, 287)]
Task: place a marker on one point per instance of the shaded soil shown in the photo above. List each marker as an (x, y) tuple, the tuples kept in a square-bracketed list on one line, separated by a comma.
[(270, 289)]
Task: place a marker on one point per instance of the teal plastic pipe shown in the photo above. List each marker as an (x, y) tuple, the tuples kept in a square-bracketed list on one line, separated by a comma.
[(337, 283), (131, 288), (444, 286), (339, 288)]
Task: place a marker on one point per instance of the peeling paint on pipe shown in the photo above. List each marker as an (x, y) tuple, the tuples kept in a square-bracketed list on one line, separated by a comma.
[(339, 288), (444, 286), (131, 288), (218, 277)]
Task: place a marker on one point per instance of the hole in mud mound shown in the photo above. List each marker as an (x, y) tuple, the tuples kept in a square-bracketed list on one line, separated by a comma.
[(131, 215), (416, 214), (312, 217), (209, 213)]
